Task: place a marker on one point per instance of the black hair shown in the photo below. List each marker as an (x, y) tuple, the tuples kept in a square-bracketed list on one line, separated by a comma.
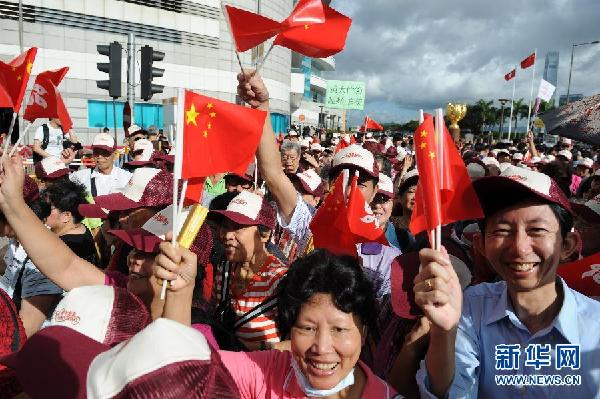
[(386, 164), (561, 173), (564, 217), (321, 272), (40, 207), (66, 196)]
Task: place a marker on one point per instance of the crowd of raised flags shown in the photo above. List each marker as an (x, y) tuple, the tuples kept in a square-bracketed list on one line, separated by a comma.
[(239, 264)]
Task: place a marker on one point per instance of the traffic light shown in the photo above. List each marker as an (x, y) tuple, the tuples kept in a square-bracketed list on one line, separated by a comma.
[(148, 72), (112, 67)]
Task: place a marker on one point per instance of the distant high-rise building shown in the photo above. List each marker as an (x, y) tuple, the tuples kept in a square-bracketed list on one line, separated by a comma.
[(551, 69)]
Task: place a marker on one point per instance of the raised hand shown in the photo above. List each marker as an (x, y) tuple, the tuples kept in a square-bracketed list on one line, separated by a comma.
[(252, 89), (177, 265), (437, 289), (11, 181)]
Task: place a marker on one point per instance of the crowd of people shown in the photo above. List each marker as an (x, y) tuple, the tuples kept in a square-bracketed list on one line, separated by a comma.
[(254, 310)]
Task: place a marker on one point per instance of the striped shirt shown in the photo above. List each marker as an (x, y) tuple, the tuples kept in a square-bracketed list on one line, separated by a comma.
[(261, 287)]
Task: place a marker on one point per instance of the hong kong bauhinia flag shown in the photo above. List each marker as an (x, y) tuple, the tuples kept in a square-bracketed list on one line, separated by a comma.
[(510, 75), (529, 61), (45, 100), (15, 75), (218, 136), (583, 275)]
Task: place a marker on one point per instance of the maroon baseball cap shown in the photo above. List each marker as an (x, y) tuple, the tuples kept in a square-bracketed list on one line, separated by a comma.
[(31, 191), (12, 338), (50, 168), (148, 187), (165, 359), (249, 209), (92, 211), (521, 183)]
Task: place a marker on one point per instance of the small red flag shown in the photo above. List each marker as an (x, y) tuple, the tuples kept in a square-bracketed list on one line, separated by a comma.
[(340, 146), (361, 221), (45, 100), (529, 61), (352, 139), (452, 200), (281, 137), (370, 124), (329, 226), (510, 75), (317, 40), (249, 29), (218, 136), (15, 75), (195, 188), (583, 275)]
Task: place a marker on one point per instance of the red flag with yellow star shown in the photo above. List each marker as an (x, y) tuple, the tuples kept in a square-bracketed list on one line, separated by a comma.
[(439, 204), (329, 226), (218, 136), (15, 75), (317, 40)]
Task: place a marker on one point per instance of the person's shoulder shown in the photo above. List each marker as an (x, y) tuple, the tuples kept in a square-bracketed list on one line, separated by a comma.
[(80, 174), (586, 306), (375, 386)]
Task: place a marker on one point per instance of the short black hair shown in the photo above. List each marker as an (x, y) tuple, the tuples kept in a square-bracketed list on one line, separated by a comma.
[(322, 272), (66, 196), (565, 219)]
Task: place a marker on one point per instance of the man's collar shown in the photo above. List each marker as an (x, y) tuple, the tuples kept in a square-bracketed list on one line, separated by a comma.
[(565, 322), (96, 172)]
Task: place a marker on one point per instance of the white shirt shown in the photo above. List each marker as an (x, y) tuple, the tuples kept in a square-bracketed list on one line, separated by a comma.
[(55, 139), (105, 184)]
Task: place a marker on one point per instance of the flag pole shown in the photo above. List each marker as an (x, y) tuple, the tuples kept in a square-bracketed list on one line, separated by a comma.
[(262, 60), (512, 102), (531, 92), (176, 174), (21, 136), (10, 129), (439, 134)]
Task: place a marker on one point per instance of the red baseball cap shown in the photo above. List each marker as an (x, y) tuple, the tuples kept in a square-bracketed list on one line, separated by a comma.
[(50, 168)]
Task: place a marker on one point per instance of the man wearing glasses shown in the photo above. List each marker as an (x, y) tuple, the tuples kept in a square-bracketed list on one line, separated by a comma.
[(105, 177)]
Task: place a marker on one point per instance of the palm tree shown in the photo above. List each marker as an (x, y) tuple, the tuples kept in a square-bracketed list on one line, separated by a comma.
[(517, 107), (486, 111)]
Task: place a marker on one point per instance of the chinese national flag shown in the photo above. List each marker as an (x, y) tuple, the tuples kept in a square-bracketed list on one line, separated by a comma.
[(529, 61), (370, 124), (352, 139), (510, 75), (45, 100), (361, 221), (583, 275), (195, 189), (340, 146), (329, 226), (249, 29), (15, 75), (452, 200), (317, 40), (218, 136), (5, 100)]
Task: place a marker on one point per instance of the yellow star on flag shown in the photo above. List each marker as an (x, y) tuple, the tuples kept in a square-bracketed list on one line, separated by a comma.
[(205, 134), (423, 145), (19, 77), (431, 154), (29, 66), (191, 115), (209, 105), (213, 114), (209, 126), (424, 133), (306, 27)]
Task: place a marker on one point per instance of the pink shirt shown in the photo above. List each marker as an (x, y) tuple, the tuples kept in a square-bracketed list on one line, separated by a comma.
[(269, 375)]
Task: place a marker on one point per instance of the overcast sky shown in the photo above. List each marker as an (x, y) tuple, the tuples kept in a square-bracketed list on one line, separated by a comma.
[(424, 53)]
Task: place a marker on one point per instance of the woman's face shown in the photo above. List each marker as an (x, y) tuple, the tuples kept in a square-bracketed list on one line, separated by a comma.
[(240, 241), (407, 199), (326, 341), (140, 271)]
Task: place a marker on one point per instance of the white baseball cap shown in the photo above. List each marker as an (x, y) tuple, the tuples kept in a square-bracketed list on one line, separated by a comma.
[(311, 182), (488, 161), (104, 141), (566, 153), (132, 129), (355, 156), (587, 162), (385, 185), (517, 156)]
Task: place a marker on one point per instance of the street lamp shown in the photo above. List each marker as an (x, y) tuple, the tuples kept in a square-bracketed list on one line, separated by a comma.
[(503, 101), (571, 68)]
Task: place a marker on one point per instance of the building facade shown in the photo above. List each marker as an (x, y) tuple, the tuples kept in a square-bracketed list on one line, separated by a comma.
[(193, 34), (551, 70), (309, 86)]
